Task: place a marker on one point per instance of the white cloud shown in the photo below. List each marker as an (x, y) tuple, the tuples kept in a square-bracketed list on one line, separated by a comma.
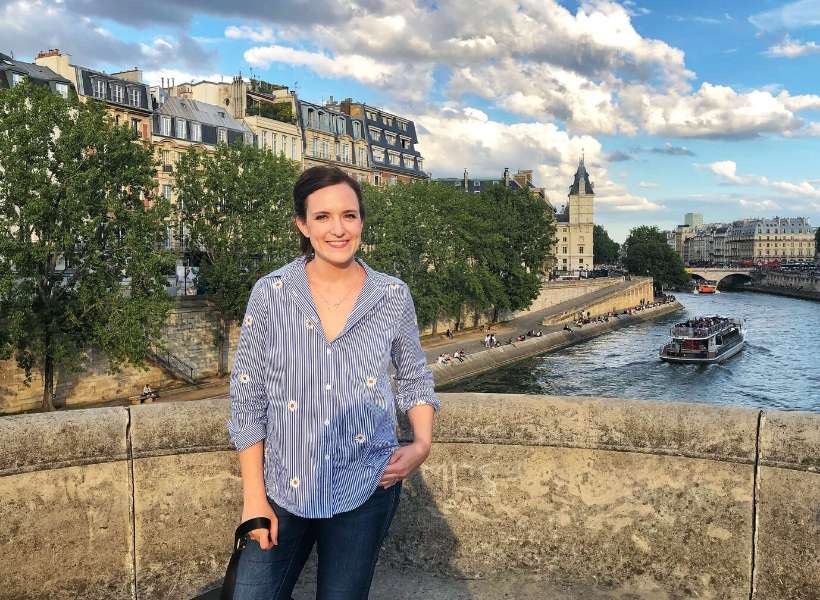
[(793, 15), (727, 171), (262, 34), (791, 48), (456, 138), (647, 184)]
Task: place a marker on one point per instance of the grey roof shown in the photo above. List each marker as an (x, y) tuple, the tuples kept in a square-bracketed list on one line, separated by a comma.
[(32, 70), (581, 179), (201, 112)]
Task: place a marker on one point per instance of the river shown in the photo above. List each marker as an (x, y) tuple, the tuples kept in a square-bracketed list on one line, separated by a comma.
[(778, 369)]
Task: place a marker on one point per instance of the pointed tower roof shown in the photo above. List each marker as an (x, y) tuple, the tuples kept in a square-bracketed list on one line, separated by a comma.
[(581, 184)]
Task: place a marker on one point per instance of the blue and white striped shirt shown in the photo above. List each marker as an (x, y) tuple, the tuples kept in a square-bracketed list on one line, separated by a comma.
[(325, 410)]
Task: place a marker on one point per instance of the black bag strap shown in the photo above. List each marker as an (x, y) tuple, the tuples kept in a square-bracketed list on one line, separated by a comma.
[(244, 529)]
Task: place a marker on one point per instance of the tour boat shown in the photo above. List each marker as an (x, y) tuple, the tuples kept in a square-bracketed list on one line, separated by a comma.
[(707, 287), (705, 340)]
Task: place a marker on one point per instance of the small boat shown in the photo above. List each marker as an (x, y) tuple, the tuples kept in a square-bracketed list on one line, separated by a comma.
[(706, 287), (705, 340)]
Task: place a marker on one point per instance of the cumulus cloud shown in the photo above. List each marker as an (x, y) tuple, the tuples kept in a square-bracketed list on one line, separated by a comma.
[(792, 48), (726, 170), (457, 138), (243, 32)]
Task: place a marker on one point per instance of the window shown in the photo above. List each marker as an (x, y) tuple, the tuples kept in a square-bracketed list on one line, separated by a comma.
[(564, 240), (362, 157), (340, 126), (580, 249), (264, 140), (324, 149), (394, 158), (292, 148), (371, 115), (181, 129), (117, 93), (564, 250), (16, 79), (564, 261), (222, 136), (408, 162), (196, 132), (248, 138), (419, 161), (580, 261), (378, 154), (62, 89), (357, 129), (405, 143), (166, 157), (346, 153), (166, 192), (135, 125), (134, 96), (375, 134), (99, 88), (165, 126), (337, 153), (314, 146), (391, 139)]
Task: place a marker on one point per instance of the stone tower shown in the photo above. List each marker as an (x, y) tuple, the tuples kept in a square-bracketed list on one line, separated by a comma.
[(580, 197)]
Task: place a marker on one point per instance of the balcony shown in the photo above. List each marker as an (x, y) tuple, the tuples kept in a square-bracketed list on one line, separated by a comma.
[(167, 168)]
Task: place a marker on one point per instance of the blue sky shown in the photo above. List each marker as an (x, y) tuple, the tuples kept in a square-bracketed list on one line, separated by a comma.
[(678, 107)]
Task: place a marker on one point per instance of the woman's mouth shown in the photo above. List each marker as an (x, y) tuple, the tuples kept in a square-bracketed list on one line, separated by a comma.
[(341, 244)]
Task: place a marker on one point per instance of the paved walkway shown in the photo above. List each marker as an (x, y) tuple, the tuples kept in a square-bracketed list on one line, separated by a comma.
[(470, 340)]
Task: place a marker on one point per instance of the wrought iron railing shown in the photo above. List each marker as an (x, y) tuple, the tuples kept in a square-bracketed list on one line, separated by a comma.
[(172, 362)]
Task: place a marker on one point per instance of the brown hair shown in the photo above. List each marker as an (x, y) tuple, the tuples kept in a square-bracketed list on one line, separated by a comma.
[(313, 179)]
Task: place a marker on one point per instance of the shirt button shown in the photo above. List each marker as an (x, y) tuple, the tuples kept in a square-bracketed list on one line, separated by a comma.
[(327, 456), (327, 386), (329, 351)]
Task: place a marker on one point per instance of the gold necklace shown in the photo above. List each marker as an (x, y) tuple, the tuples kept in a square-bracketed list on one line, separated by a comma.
[(332, 305)]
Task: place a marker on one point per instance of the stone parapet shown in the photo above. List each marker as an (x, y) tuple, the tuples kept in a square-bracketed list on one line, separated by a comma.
[(577, 498)]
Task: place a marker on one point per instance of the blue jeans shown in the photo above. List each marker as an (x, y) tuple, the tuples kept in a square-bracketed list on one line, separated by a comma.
[(348, 546)]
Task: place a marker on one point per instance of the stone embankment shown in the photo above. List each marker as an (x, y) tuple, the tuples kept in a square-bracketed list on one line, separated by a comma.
[(524, 497), (785, 291), (494, 358)]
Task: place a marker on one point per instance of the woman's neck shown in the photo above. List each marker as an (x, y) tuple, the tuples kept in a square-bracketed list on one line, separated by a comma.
[(325, 271)]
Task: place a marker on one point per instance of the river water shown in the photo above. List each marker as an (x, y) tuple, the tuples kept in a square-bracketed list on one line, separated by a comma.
[(778, 369)]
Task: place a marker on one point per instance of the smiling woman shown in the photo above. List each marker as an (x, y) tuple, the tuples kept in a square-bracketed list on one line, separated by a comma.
[(312, 412)]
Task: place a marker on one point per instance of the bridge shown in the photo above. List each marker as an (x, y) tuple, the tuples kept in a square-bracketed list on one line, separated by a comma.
[(732, 275)]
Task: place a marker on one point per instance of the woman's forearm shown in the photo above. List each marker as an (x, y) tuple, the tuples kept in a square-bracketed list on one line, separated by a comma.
[(421, 420), (250, 466)]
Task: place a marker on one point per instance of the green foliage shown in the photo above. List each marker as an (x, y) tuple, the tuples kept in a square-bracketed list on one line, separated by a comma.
[(235, 206), (278, 111), (76, 189), (605, 251), (485, 250), (647, 253)]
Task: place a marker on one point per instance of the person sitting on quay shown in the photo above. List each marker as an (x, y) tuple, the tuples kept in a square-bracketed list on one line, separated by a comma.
[(460, 354), (521, 338), (567, 328), (539, 333)]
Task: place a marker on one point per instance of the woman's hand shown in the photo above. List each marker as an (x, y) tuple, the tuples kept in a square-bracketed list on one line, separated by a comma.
[(404, 461), (262, 508)]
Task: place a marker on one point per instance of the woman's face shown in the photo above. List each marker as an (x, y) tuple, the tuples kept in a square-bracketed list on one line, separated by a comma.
[(333, 223)]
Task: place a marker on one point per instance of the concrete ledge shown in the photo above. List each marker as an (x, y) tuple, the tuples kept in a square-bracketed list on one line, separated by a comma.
[(491, 359), (523, 497), (62, 439)]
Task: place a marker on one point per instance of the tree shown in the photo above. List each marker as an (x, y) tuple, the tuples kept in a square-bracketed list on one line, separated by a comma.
[(604, 249), (79, 236), (647, 253), (236, 211)]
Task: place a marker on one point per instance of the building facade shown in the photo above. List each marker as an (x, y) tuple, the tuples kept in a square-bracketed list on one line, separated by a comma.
[(180, 123), (127, 99), (574, 223), (331, 137), (391, 142), (764, 240), (693, 220), (516, 181), (269, 110)]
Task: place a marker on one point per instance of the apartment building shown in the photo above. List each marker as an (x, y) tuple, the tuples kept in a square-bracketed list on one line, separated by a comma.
[(14, 72)]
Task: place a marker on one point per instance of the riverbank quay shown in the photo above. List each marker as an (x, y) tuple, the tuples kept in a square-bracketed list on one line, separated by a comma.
[(784, 291), (526, 496), (554, 338)]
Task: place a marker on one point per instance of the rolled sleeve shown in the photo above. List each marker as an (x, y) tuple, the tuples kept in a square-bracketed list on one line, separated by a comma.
[(249, 402), (414, 379)]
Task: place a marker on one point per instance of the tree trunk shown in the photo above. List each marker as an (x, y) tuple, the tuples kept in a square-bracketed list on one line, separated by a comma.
[(221, 347), (495, 314), (48, 382)]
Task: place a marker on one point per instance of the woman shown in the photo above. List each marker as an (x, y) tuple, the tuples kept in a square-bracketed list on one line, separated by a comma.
[(312, 411)]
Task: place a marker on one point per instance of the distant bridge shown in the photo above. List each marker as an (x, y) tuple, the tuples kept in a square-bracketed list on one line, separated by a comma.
[(733, 275)]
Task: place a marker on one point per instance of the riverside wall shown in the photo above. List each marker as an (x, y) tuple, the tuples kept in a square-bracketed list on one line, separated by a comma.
[(609, 498), (494, 358), (639, 292)]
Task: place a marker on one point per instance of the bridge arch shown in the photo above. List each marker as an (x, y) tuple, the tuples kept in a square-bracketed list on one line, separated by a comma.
[(725, 278)]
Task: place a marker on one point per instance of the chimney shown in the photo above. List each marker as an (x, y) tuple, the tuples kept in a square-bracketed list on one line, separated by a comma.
[(466, 181), (58, 62), (506, 177)]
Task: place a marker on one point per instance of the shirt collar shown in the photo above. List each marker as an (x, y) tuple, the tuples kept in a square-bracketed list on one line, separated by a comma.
[(295, 278)]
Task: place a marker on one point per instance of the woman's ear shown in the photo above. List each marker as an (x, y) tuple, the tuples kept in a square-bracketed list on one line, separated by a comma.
[(301, 225)]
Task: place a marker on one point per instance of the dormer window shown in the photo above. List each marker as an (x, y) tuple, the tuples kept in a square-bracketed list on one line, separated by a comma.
[(117, 93), (391, 138), (134, 96), (99, 88), (196, 132), (62, 89), (378, 154), (16, 79), (181, 129), (222, 136), (165, 126), (357, 130)]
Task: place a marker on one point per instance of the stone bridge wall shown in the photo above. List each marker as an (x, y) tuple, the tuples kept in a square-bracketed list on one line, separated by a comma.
[(625, 498)]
